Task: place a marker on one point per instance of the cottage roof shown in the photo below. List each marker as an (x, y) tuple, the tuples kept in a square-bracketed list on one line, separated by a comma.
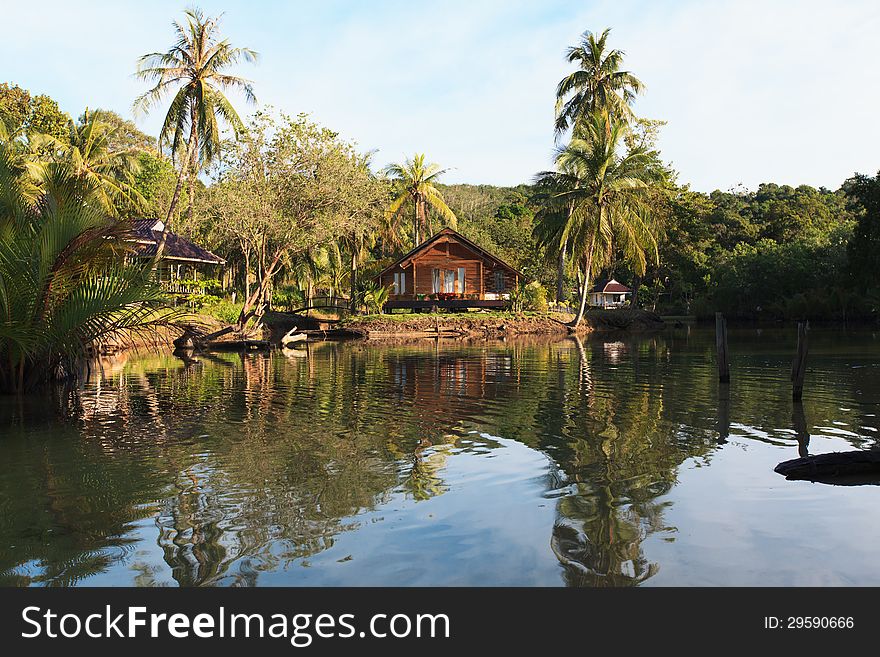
[(611, 286), (148, 232), (449, 233)]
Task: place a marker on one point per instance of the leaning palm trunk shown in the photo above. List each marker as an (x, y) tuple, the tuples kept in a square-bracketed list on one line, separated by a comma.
[(171, 208), (585, 288)]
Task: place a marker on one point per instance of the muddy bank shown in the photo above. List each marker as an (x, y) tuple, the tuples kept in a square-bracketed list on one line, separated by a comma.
[(377, 327)]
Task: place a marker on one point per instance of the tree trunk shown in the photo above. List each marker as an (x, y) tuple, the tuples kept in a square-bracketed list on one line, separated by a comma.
[(192, 193), (637, 284), (560, 275), (416, 222), (247, 274), (585, 288), (258, 295), (185, 163), (160, 248), (193, 163), (354, 264)]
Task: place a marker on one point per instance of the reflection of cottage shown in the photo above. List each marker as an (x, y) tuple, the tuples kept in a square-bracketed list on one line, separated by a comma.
[(610, 294), (181, 260), (449, 271)]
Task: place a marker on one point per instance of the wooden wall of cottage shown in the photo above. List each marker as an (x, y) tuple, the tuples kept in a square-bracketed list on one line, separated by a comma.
[(449, 256)]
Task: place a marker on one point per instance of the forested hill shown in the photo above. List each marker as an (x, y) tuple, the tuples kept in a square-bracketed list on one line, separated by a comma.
[(775, 252)]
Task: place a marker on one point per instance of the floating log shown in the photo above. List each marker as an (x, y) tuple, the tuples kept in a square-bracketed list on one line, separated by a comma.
[(721, 348), (852, 468), (799, 364), (218, 334), (292, 337)]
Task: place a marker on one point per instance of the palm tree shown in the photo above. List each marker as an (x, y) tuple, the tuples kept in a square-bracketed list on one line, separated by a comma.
[(194, 69), (64, 281), (597, 84), (606, 192), (88, 153), (414, 181)]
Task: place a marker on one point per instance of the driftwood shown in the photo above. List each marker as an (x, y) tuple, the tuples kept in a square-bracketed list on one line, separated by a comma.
[(854, 468), (192, 338), (292, 336)]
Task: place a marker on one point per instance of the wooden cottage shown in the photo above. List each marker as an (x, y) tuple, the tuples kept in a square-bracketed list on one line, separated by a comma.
[(448, 271), (181, 260)]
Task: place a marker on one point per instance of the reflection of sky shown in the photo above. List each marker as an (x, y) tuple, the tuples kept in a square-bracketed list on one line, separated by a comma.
[(739, 524), (450, 539)]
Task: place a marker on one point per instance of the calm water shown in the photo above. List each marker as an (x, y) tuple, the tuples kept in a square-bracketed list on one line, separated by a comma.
[(593, 463)]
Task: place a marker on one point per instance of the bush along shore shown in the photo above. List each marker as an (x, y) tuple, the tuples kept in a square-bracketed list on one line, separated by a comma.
[(496, 324)]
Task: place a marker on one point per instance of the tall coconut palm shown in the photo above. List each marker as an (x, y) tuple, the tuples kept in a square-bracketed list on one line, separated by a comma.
[(194, 70), (88, 153), (414, 182), (597, 84), (606, 190)]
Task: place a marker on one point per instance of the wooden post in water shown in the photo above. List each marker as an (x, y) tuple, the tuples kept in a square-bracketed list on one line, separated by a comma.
[(721, 348), (799, 364)]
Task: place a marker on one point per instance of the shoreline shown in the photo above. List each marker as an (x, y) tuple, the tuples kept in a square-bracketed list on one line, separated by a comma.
[(496, 325)]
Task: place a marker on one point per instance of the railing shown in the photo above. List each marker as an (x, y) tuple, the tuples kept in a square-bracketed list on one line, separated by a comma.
[(177, 287)]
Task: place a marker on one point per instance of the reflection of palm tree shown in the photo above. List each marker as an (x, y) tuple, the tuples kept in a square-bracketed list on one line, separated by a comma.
[(585, 381), (424, 481)]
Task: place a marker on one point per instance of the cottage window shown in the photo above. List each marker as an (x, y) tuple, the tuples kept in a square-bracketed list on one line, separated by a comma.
[(400, 283), (447, 280), (499, 281)]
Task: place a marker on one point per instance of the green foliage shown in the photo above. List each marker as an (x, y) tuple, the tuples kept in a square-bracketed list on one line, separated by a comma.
[(288, 297), (154, 181), (374, 296), (88, 153), (223, 309), (777, 252), (597, 84), (125, 134), (864, 246), (64, 282), (529, 296), (30, 115)]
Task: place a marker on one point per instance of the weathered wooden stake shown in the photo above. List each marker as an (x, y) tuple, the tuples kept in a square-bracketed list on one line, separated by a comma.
[(801, 430), (721, 348), (799, 364)]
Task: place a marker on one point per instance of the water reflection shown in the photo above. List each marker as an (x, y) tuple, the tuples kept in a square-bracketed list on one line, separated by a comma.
[(530, 461)]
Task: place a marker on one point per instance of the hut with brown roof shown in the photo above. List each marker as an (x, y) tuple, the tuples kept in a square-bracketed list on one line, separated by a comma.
[(182, 260)]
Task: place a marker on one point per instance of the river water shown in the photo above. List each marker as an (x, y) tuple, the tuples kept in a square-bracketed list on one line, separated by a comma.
[(607, 461)]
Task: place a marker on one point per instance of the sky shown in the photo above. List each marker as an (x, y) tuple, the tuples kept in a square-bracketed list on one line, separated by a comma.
[(773, 91)]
